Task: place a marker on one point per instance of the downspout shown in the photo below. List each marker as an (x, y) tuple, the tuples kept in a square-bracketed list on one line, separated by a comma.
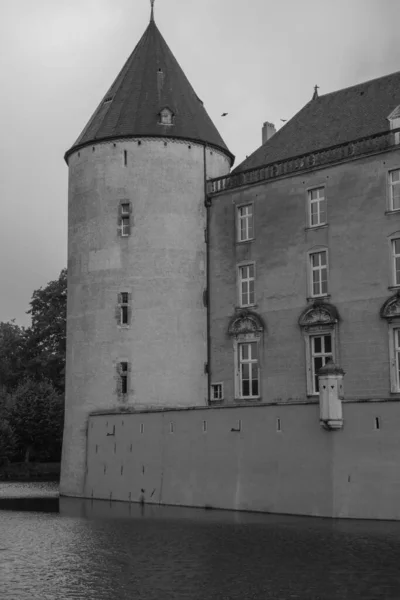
[(207, 203)]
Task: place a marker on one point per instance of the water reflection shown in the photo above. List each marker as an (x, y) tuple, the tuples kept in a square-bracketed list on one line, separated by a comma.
[(97, 550)]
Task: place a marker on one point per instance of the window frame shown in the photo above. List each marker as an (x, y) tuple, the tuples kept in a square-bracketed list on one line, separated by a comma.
[(121, 305), (241, 266), (310, 270), (394, 357), (390, 185), (240, 341), (318, 202), (123, 375), (239, 219), (212, 388), (125, 218), (394, 238), (312, 332)]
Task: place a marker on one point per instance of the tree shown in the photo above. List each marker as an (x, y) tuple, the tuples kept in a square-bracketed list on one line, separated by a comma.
[(12, 345), (35, 413), (46, 338)]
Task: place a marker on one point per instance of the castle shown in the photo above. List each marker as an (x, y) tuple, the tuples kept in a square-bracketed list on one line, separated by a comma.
[(203, 302)]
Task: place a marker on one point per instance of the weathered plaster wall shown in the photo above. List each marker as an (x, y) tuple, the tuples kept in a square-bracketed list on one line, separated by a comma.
[(359, 277), (302, 469), (162, 264)]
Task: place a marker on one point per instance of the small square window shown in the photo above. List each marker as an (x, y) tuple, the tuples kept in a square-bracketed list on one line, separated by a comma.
[(217, 391)]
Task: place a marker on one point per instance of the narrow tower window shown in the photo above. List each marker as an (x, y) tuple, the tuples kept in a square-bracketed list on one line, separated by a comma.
[(123, 370), (123, 309), (125, 158), (125, 210)]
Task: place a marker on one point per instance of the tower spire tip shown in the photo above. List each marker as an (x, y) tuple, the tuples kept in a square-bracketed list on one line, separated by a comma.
[(152, 10)]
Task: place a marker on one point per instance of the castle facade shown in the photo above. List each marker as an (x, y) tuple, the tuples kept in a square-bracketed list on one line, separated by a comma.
[(203, 302)]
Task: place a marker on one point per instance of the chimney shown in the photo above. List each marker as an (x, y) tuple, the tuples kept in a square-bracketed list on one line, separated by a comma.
[(268, 131)]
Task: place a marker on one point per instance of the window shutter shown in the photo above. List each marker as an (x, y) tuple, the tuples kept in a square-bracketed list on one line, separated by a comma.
[(119, 298), (118, 314), (119, 382), (119, 222), (129, 315)]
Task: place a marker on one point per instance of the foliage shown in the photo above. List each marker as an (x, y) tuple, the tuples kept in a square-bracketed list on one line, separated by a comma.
[(46, 338), (35, 414), (12, 343), (32, 365), (7, 442)]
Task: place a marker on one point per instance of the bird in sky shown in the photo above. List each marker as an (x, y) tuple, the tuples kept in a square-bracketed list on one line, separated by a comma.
[(224, 114), (283, 120)]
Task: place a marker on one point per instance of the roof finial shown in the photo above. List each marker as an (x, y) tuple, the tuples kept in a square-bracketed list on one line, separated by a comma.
[(152, 10), (315, 95)]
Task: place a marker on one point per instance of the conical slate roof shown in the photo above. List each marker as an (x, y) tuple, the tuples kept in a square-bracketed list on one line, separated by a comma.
[(150, 81)]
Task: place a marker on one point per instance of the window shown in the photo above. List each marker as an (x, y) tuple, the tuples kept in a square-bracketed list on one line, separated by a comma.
[(123, 378), (321, 351), (319, 273), (217, 391), (249, 375), (394, 182), (245, 224), (394, 121), (396, 261), (125, 218), (394, 332), (166, 117), (123, 310), (317, 207), (246, 285)]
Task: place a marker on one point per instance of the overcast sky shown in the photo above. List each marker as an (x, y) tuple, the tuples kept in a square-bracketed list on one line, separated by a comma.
[(257, 60)]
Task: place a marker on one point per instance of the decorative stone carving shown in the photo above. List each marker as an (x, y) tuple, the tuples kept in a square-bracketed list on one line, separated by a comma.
[(319, 314), (391, 308), (246, 322)]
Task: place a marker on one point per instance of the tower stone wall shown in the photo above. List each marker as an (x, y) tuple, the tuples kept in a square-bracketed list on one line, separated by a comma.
[(161, 264)]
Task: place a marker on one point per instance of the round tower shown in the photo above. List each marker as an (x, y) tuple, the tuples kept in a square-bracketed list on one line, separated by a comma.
[(136, 317)]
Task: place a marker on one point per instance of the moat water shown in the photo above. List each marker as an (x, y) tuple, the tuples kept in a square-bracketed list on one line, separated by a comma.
[(65, 549)]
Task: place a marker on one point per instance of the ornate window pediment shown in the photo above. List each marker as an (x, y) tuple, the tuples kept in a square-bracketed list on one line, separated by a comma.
[(391, 308), (319, 314), (246, 323)]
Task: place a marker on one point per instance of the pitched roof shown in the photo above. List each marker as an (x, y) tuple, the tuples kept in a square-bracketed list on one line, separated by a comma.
[(151, 80), (335, 118)]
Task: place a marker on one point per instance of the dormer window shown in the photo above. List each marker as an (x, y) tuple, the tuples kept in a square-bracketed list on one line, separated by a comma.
[(394, 118), (166, 117)]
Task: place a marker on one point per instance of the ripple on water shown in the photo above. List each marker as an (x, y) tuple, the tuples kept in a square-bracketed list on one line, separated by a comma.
[(102, 551)]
